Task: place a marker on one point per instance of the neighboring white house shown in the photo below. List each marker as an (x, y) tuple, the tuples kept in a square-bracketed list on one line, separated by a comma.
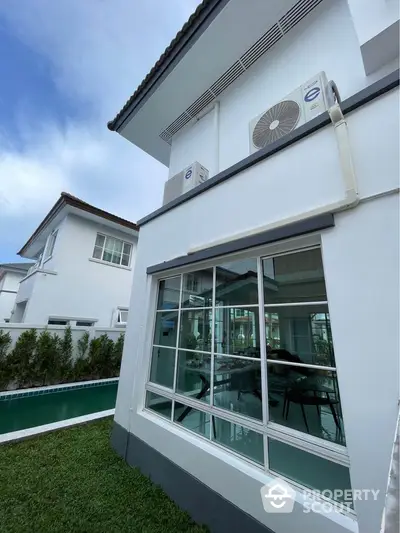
[(84, 265), (10, 276), (262, 293)]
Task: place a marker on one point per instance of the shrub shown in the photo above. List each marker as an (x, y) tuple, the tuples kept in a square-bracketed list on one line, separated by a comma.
[(47, 358), (117, 355), (45, 362), (5, 343), (81, 366), (101, 357), (20, 360), (65, 355)]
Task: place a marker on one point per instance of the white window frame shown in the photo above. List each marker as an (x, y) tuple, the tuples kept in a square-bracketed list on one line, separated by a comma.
[(72, 321), (48, 252), (118, 322), (325, 449), (107, 250)]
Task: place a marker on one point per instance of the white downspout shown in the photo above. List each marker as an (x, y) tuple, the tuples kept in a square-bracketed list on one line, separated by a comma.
[(350, 200)]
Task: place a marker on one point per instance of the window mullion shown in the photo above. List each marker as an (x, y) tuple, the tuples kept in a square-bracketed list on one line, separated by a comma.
[(212, 347), (263, 355), (178, 333)]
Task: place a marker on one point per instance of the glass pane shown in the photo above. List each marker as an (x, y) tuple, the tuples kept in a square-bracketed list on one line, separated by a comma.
[(118, 246), (168, 293), (195, 333), (162, 367), (236, 283), (100, 240), (116, 258), (197, 288), (242, 440), (237, 386), (109, 245), (237, 331), (306, 399), (296, 277), (307, 469), (300, 334), (192, 419), (107, 256), (166, 328), (193, 377), (97, 252), (159, 404), (123, 316), (127, 248), (125, 260)]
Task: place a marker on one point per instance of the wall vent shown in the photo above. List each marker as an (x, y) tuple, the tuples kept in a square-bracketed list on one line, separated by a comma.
[(227, 78), (264, 43), (296, 14)]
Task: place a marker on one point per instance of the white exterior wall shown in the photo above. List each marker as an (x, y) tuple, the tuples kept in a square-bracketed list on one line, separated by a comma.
[(8, 291), (361, 265), (373, 18), (313, 46), (361, 260), (73, 285)]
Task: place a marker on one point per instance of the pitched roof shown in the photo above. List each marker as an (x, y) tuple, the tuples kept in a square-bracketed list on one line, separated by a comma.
[(67, 199), (19, 266), (166, 57)]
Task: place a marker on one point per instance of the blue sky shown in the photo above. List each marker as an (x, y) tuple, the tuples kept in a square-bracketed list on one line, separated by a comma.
[(66, 68)]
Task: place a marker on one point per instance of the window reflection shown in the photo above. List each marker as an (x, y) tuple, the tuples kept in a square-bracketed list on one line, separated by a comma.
[(237, 331), (168, 293), (306, 399), (299, 334), (308, 469), (195, 330), (162, 366), (198, 288), (159, 404), (237, 385), (295, 277), (236, 283), (193, 375), (242, 440), (192, 419), (166, 327)]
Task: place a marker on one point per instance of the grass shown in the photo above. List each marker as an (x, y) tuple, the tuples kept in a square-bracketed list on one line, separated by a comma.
[(72, 481)]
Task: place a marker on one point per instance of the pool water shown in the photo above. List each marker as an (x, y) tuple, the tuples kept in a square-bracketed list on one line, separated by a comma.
[(26, 412)]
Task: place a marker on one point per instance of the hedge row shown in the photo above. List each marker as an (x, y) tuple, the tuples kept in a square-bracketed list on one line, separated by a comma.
[(46, 359)]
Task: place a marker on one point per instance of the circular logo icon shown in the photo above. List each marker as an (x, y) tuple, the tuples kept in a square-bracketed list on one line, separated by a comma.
[(312, 94), (188, 174)]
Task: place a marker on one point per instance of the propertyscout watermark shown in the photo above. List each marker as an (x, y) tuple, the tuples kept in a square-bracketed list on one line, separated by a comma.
[(279, 497)]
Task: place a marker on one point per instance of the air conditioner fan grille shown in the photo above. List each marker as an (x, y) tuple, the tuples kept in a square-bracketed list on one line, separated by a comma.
[(278, 121)]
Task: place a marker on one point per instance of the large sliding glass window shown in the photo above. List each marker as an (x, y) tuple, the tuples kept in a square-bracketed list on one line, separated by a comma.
[(243, 356)]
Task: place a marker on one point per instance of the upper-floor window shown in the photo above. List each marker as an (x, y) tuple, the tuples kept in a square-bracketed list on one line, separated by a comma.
[(112, 250), (192, 283), (50, 245), (122, 316)]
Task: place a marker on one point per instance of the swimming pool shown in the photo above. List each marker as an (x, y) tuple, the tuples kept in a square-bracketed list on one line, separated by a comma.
[(24, 410)]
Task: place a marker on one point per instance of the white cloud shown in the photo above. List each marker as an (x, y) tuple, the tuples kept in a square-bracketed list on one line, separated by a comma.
[(99, 51)]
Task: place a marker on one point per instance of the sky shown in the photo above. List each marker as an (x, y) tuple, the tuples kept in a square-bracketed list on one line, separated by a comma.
[(66, 68)]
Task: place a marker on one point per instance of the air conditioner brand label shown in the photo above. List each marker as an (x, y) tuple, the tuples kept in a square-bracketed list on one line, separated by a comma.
[(312, 94), (188, 174)]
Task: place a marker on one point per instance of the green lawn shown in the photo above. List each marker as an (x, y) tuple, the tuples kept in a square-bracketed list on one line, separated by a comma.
[(72, 481)]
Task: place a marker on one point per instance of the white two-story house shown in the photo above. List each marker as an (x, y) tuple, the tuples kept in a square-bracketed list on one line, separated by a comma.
[(262, 348), (83, 271), (10, 276)]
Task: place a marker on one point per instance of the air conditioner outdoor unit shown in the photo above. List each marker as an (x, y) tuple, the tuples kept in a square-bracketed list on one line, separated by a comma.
[(305, 103), (184, 181)]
